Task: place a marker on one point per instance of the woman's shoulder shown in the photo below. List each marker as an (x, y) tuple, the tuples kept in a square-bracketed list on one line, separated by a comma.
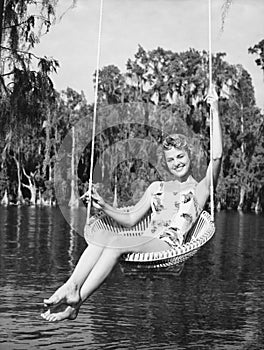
[(155, 186)]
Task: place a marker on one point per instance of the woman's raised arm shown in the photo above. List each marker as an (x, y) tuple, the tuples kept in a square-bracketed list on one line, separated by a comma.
[(203, 188)]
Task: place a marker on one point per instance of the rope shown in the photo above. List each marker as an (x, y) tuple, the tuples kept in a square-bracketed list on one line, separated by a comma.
[(94, 113), (211, 117)]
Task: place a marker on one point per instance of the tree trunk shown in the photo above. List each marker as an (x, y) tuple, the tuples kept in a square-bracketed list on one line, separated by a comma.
[(242, 130), (242, 189), (40, 200), (50, 181), (5, 200), (218, 206), (241, 198), (2, 6), (258, 208), (31, 187), (46, 168), (33, 191), (20, 199), (74, 202), (46, 125)]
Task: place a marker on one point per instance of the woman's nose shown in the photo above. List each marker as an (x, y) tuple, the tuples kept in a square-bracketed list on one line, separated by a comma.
[(174, 163)]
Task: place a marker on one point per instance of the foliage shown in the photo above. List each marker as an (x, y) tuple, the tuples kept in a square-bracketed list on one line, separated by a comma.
[(20, 32), (258, 49)]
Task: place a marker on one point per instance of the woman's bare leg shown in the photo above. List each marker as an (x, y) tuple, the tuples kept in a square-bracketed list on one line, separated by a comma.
[(102, 269), (110, 257), (69, 292)]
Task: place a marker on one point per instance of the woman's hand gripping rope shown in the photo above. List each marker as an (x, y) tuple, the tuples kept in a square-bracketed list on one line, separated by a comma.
[(212, 98), (97, 200)]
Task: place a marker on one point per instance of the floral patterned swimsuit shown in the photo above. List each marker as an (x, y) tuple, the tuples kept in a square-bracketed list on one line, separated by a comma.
[(173, 214)]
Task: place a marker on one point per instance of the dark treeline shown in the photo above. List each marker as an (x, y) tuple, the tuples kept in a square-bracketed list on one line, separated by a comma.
[(45, 134)]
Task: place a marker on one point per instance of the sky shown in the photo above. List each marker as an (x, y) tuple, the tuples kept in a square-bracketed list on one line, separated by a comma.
[(176, 25)]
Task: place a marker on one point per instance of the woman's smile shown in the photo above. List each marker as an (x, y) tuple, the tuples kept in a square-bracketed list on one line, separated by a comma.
[(178, 167)]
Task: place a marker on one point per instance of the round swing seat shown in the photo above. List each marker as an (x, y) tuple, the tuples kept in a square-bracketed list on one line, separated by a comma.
[(201, 232)]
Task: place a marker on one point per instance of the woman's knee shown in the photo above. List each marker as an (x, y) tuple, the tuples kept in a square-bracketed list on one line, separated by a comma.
[(102, 238), (113, 252)]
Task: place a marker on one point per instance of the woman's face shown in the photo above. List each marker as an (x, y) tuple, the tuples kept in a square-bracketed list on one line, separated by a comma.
[(178, 162)]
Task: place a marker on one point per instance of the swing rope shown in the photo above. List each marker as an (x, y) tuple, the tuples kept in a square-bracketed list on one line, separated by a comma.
[(211, 116), (94, 113)]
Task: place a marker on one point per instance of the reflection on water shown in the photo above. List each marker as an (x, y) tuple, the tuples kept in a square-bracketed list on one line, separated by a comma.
[(216, 303)]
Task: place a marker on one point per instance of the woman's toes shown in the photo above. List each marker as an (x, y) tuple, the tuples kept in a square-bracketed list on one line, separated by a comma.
[(53, 318), (51, 301), (45, 315)]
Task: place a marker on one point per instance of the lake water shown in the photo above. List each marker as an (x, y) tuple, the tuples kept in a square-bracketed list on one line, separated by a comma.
[(216, 303)]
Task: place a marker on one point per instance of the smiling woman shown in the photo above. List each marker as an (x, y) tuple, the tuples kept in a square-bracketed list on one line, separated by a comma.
[(175, 206)]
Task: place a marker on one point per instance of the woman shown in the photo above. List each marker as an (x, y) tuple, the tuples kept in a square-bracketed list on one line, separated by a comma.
[(175, 206)]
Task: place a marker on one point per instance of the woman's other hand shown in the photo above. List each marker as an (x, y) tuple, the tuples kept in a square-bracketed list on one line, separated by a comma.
[(97, 201), (212, 98)]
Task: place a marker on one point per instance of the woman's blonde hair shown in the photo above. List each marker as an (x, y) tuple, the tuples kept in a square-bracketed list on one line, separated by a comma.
[(178, 141)]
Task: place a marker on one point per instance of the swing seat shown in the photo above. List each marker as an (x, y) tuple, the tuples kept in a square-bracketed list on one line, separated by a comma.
[(201, 232)]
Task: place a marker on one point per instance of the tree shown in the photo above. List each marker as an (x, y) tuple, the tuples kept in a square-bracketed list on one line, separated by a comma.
[(258, 157), (26, 88), (20, 32)]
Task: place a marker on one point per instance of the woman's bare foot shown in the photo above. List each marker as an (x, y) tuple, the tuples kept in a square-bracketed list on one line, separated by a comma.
[(68, 294), (63, 312)]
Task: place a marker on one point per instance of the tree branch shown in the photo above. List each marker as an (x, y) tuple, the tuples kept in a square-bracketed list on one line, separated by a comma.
[(24, 172), (5, 74), (26, 21), (21, 51), (14, 25), (27, 186)]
